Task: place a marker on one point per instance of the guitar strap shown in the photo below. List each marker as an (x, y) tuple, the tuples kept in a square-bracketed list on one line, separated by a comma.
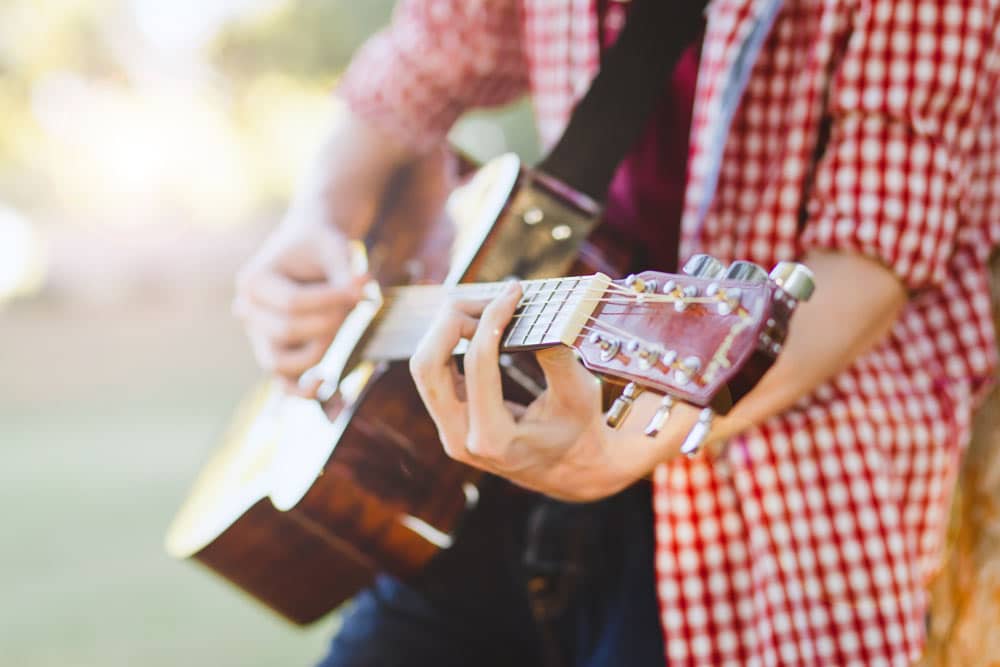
[(563, 541), (611, 116)]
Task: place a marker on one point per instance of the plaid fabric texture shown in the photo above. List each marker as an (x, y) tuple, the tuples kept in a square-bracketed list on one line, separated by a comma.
[(871, 126)]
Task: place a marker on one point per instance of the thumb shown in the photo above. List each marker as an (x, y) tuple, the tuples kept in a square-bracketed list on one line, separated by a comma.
[(568, 381)]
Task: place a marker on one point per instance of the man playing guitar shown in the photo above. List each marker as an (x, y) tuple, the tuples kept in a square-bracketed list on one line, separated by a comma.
[(865, 145)]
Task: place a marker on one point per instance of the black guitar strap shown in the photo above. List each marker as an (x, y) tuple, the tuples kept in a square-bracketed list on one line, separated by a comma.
[(609, 119)]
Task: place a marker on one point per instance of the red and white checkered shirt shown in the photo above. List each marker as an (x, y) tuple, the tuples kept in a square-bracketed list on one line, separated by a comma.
[(871, 126)]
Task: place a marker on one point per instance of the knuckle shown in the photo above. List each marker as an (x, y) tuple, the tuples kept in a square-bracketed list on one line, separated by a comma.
[(451, 450), (482, 446), (417, 368)]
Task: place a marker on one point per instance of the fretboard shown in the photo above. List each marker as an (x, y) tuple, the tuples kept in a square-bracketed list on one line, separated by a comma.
[(551, 312)]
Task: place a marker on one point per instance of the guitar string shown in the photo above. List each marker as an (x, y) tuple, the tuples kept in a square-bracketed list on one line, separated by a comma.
[(491, 290), (394, 335), (526, 300), (385, 325), (631, 298), (606, 328)]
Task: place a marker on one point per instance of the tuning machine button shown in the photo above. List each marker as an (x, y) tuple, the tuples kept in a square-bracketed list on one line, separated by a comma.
[(660, 417), (746, 272), (729, 297), (704, 266), (698, 434), (687, 292), (609, 345), (795, 279), (687, 369), (622, 405)]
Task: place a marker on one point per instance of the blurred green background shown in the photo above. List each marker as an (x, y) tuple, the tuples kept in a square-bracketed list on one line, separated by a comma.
[(145, 148)]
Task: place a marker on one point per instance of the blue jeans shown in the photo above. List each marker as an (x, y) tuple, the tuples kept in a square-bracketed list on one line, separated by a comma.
[(471, 606)]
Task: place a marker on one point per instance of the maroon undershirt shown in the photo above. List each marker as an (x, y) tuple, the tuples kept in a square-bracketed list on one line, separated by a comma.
[(646, 196)]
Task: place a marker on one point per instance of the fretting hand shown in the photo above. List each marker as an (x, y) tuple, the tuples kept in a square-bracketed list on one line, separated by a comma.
[(559, 445)]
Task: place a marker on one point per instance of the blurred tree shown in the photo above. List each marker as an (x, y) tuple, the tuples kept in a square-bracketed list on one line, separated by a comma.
[(36, 40), (301, 38), (313, 40)]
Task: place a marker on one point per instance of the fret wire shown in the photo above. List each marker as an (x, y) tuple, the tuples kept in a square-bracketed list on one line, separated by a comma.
[(540, 300), (540, 310), (529, 302), (561, 305), (525, 306)]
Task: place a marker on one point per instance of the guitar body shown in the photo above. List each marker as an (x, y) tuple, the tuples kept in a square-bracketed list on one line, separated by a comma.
[(303, 505)]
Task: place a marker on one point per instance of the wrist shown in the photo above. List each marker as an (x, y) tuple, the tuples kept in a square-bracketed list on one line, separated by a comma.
[(345, 181)]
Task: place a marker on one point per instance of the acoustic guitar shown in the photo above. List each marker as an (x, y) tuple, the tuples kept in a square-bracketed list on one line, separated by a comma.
[(306, 500)]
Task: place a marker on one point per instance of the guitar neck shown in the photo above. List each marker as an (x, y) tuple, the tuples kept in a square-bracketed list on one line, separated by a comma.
[(551, 312)]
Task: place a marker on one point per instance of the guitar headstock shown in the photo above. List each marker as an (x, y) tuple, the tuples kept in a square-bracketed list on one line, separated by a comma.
[(703, 337)]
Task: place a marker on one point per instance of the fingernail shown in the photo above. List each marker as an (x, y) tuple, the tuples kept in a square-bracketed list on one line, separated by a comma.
[(512, 286)]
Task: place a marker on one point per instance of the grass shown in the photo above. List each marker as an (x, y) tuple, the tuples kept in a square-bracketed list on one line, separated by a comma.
[(105, 417)]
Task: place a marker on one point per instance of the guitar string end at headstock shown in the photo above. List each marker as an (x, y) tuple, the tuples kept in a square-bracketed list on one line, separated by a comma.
[(660, 417), (698, 434), (623, 405)]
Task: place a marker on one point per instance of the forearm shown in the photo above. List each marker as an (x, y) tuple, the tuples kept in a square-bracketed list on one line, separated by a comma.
[(856, 303), (348, 174)]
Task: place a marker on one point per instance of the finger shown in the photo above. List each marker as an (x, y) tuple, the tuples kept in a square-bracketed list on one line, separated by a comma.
[(490, 423), (433, 373), (287, 362), (288, 330), (568, 382), (299, 388), (291, 362), (278, 292)]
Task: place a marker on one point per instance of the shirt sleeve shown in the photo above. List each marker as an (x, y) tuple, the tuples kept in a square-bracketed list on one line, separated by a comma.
[(437, 59), (916, 79)]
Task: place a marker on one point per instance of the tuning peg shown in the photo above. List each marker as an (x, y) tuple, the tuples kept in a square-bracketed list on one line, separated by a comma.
[(687, 292), (639, 285), (698, 434), (609, 345), (729, 297), (703, 266), (795, 279), (746, 272), (688, 367), (648, 354), (623, 404), (660, 417)]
